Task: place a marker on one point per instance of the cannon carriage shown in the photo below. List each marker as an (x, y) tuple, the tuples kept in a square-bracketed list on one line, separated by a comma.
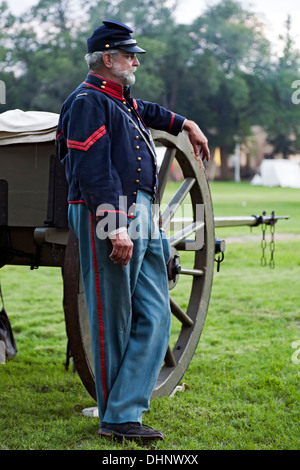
[(34, 232)]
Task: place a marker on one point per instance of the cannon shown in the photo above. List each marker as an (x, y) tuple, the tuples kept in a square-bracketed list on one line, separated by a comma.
[(34, 232)]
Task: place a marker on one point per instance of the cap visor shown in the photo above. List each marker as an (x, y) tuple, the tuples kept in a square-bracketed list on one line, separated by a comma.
[(135, 49)]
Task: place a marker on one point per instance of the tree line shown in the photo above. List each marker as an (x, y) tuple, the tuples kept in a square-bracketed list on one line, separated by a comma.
[(220, 70)]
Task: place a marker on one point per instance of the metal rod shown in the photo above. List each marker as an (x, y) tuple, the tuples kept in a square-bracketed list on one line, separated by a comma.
[(250, 221), (191, 272), (253, 220)]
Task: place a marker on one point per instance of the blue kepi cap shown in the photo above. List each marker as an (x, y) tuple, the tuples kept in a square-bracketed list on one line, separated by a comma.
[(113, 35)]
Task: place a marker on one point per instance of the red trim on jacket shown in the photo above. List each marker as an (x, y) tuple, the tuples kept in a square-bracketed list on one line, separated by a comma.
[(135, 104), (58, 135), (101, 330), (114, 212), (172, 120), (110, 88), (74, 144)]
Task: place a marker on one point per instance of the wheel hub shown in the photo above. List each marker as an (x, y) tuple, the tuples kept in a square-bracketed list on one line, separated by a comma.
[(173, 268)]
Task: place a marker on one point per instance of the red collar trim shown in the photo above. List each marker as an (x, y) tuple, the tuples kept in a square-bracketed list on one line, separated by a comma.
[(107, 86)]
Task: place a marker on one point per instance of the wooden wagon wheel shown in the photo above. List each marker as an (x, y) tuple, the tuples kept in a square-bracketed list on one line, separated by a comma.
[(190, 269)]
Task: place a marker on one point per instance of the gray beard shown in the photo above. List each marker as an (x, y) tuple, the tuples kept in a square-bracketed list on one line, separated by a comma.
[(127, 76)]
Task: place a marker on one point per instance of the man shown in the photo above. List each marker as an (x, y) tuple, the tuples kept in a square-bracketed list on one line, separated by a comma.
[(111, 168)]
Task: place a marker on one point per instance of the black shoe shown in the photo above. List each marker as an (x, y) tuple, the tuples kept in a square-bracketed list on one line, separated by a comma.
[(129, 431)]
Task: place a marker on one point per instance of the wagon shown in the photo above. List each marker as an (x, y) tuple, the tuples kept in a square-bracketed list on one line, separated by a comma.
[(34, 232)]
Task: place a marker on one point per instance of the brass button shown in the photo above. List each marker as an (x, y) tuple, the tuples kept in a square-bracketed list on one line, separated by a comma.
[(137, 147), (102, 86), (138, 169), (137, 137), (154, 187), (103, 83), (139, 159), (136, 127), (137, 181), (129, 110), (131, 213), (124, 102), (106, 46), (133, 204), (134, 193)]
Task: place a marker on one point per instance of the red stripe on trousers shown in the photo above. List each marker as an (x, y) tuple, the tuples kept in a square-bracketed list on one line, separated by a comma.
[(102, 355)]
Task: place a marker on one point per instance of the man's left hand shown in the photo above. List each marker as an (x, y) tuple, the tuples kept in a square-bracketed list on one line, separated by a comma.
[(198, 140)]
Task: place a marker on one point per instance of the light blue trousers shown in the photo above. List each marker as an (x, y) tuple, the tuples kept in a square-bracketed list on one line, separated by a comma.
[(128, 309)]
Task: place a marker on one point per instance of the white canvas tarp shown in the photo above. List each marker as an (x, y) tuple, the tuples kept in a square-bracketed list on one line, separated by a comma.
[(278, 172), (17, 126)]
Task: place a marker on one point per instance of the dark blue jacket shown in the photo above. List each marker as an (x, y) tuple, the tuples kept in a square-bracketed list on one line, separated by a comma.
[(100, 143)]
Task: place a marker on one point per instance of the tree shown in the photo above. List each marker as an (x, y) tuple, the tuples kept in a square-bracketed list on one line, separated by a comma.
[(283, 125), (6, 21), (230, 47), (148, 18), (7, 77), (48, 45), (46, 55)]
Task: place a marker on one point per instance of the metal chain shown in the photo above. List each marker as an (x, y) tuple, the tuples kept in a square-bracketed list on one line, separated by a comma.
[(264, 243), (263, 260), (272, 246)]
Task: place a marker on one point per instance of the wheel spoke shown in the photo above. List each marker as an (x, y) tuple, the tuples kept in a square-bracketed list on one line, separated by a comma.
[(186, 245), (180, 314), (164, 172), (186, 232), (175, 202), (169, 358)]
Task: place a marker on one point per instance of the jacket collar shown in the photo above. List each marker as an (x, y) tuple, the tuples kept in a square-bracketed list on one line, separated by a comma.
[(107, 86)]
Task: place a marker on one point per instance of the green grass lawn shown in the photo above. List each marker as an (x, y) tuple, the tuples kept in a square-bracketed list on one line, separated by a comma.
[(243, 379)]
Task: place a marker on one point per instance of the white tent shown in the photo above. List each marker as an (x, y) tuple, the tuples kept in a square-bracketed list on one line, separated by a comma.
[(278, 172)]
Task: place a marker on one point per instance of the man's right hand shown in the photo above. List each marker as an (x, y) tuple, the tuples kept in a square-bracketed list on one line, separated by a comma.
[(197, 138), (122, 248)]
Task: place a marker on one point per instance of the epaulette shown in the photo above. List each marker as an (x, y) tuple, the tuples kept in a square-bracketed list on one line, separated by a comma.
[(81, 94)]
